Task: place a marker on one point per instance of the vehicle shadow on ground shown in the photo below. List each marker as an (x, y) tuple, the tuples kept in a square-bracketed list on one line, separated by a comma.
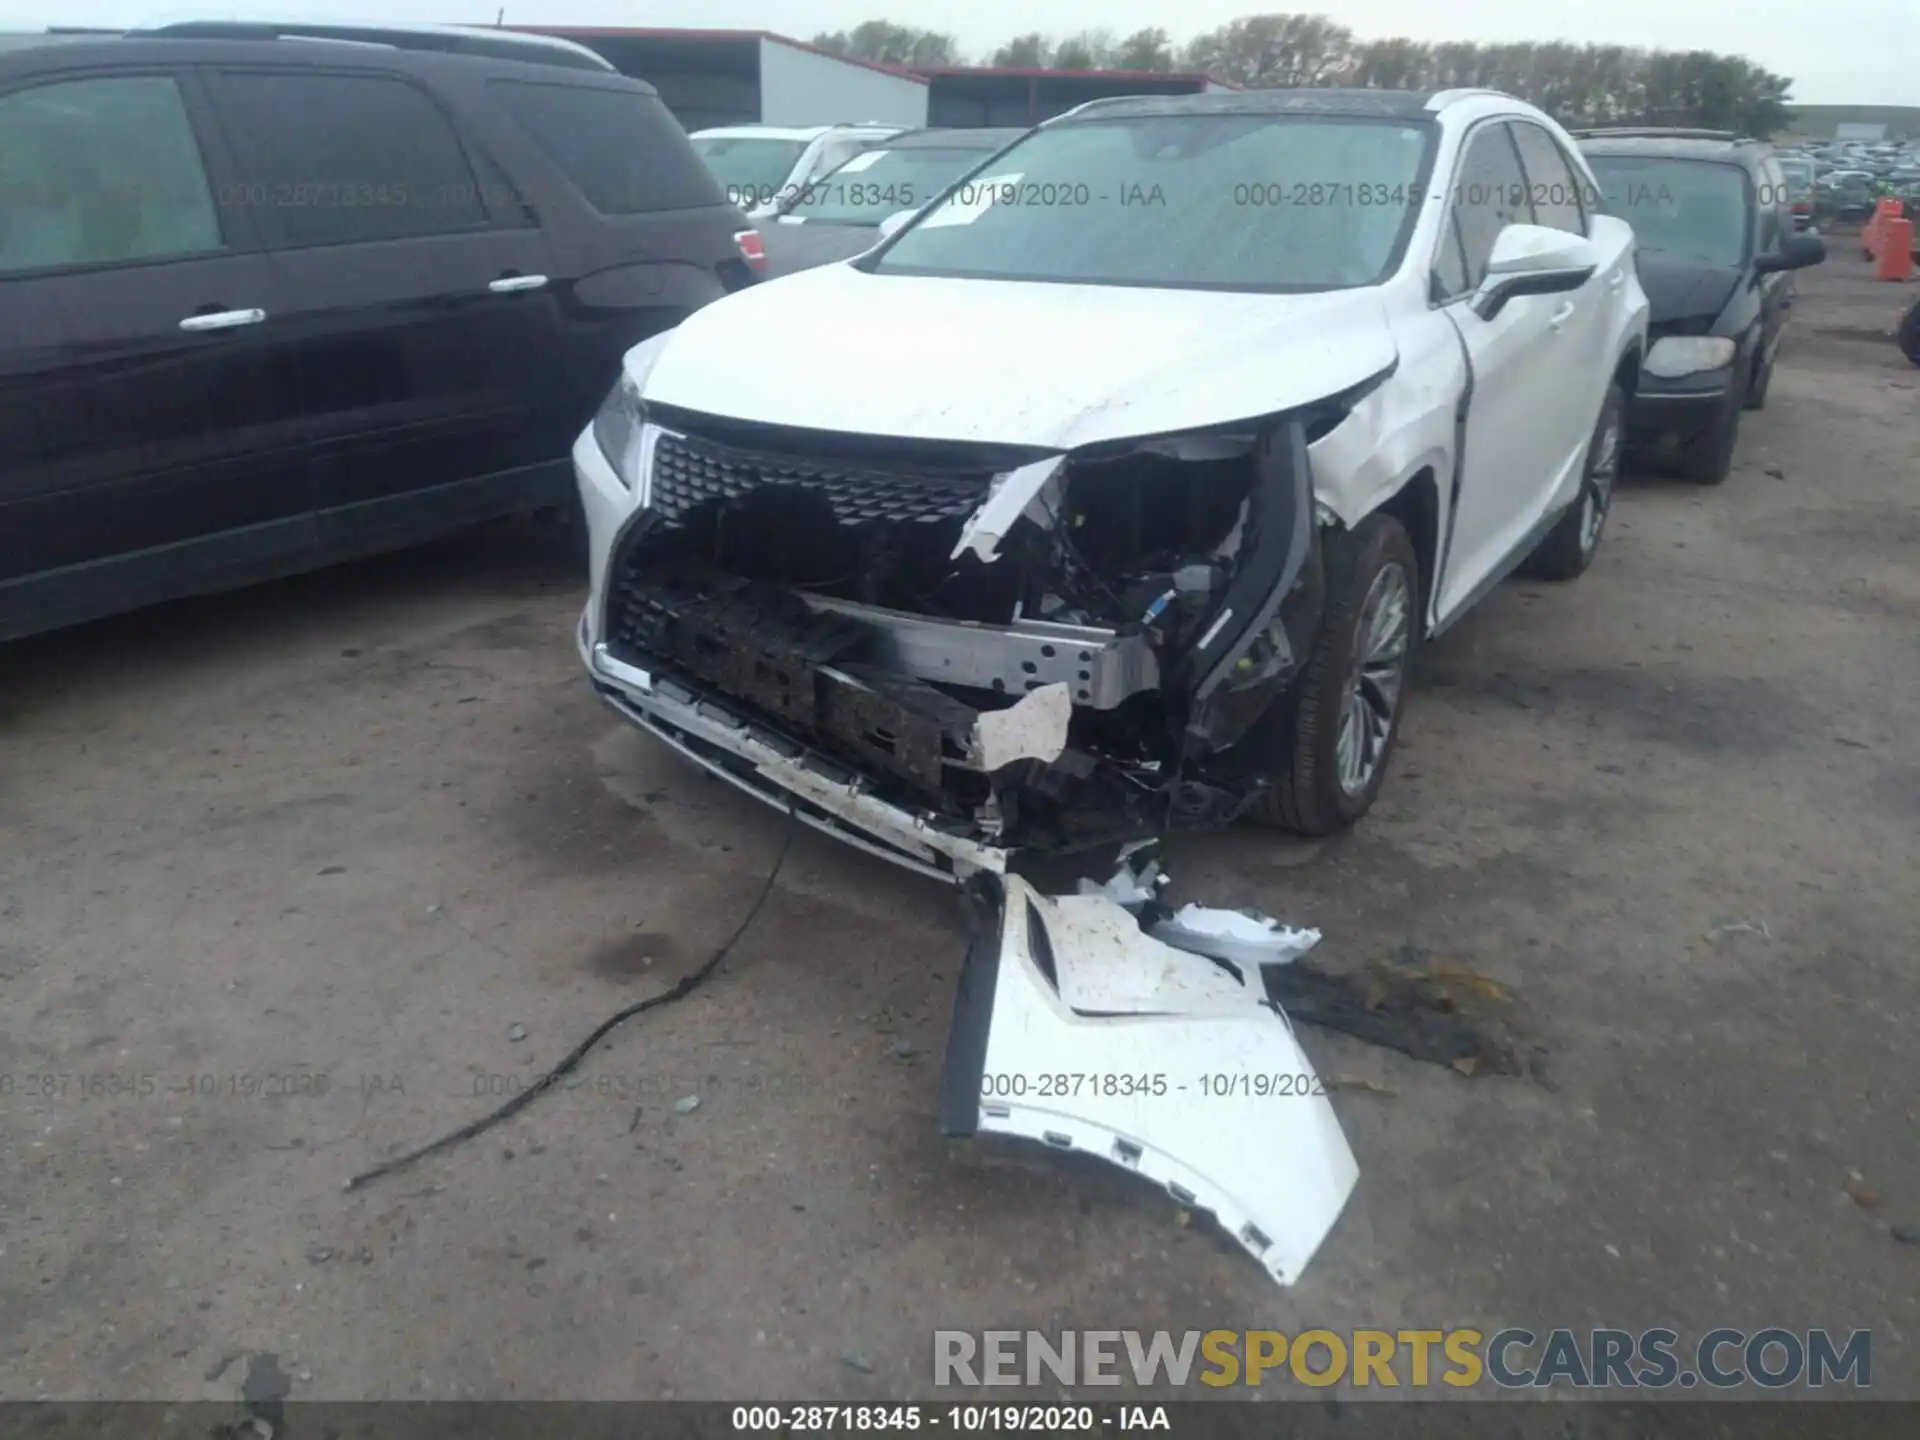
[(506, 561)]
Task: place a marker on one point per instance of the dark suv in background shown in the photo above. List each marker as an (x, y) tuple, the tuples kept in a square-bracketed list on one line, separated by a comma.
[(1713, 221), (265, 305)]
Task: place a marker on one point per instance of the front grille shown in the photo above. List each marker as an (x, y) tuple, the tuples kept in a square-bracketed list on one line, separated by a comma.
[(689, 472)]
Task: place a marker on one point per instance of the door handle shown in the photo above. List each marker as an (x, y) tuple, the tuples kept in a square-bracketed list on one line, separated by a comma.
[(1616, 279), (223, 320), (1562, 315), (514, 284)]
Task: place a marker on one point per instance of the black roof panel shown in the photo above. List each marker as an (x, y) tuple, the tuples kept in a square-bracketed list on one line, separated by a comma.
[(1736, 152), (297, 44)]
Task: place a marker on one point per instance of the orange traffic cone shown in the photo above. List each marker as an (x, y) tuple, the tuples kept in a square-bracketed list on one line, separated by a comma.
[(1873, 232), (1895, 260)]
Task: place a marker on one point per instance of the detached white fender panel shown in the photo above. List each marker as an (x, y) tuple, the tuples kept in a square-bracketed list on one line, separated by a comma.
[(1075, 1029)]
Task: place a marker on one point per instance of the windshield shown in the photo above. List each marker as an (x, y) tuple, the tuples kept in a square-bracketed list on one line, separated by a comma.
[(1221, 202), (1696, 208), (752, 167), (872, 186), (1798, 172)]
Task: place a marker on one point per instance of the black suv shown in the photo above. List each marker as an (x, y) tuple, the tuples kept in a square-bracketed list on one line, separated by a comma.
[(1712, 216), (265, 305)]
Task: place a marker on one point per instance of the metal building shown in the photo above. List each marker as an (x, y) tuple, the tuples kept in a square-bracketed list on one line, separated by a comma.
[(739, 77)]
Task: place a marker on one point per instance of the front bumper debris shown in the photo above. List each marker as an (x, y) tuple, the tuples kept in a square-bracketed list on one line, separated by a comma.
[(1076, 1029), (776, 768)]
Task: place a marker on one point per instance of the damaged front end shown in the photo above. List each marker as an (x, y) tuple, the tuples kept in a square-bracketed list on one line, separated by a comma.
[(961, 656), (952, 653)]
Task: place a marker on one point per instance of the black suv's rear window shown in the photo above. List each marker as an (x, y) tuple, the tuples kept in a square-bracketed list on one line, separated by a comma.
[(624, 150)]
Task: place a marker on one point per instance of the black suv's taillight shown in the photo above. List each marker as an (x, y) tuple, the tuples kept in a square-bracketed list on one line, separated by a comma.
[(753, 249), (749, 266)]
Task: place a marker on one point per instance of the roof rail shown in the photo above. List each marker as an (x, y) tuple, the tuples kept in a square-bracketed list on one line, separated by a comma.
[(1454, 93), (1092, 104), (493, 44), (1655, 132), (823, 125)]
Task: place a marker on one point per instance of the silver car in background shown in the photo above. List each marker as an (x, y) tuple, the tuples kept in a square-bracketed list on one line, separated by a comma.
[(839, 215)]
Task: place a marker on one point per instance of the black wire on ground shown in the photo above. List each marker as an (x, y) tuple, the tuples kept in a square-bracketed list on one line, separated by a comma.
[(686, 985)]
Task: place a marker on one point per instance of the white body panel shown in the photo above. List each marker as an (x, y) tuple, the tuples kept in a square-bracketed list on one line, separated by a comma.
[(1519, 432), (1166, 1080), (1017, 363)]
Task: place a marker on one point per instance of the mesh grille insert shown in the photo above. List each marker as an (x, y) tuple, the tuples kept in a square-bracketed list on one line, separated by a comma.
[(689, 473)]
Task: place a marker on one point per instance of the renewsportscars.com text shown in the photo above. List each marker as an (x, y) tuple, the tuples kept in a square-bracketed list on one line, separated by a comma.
[(1509, 1359)]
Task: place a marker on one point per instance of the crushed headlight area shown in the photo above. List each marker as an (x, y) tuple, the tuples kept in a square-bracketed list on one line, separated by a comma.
[(1026, 652)]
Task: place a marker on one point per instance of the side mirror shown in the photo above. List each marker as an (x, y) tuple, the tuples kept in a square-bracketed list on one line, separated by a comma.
[(894, 221), (1533, 260), (1796, 252)]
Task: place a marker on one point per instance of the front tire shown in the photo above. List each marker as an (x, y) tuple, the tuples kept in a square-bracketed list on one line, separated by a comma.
[(1709, 459), (1346, 710), (1762, 379), (1908, 335), (1570, 546)]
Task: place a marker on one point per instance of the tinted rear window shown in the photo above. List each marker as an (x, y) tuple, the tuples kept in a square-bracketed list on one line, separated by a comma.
[(333, 159), (623, 150)]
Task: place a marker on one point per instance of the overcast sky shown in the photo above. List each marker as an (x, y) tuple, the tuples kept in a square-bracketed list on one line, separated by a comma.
[(1862, 52)]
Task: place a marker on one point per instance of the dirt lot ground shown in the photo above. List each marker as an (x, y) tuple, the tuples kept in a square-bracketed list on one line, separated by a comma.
[(367, 827)]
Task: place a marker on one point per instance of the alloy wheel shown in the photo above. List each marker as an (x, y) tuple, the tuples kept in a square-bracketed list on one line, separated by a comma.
[(1382, 641), (1596, 492)]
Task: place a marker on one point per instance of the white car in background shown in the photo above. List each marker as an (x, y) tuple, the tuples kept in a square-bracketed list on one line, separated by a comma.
[(842, 214), (763, 165)]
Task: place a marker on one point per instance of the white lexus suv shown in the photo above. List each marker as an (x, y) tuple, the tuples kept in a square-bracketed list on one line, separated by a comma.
[(1115, 489)]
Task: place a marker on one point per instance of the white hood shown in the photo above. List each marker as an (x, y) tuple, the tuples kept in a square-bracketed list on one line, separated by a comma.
[(1013, 362)]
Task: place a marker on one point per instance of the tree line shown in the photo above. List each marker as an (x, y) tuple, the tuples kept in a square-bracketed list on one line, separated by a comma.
[(1578, 85)]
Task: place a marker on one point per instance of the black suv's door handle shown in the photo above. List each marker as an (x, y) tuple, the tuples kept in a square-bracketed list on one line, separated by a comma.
[(223, 319), (514, 284)]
